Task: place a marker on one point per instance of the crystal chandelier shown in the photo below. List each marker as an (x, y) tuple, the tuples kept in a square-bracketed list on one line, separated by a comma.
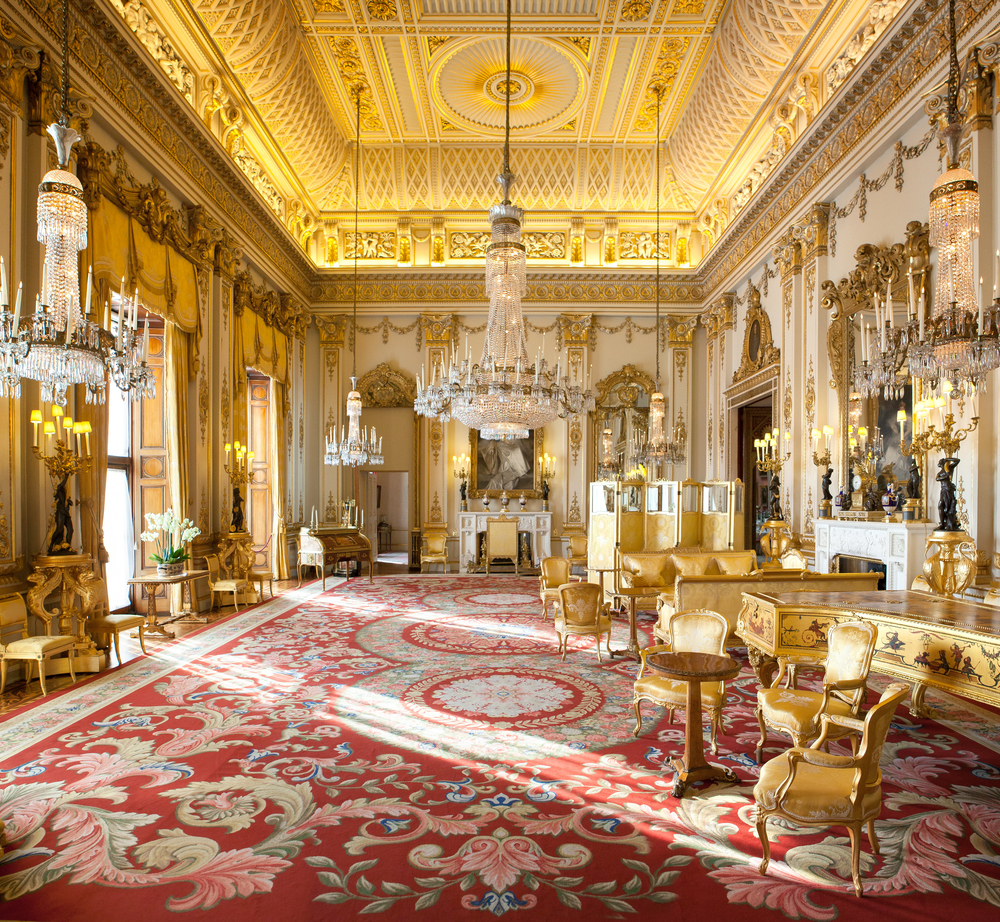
[(958, 345), (657, 450), (60, 345), (884, 350), (502, 396), (357, 446)]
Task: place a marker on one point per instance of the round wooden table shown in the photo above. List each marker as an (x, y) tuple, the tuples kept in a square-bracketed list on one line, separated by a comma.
[(694, 668)]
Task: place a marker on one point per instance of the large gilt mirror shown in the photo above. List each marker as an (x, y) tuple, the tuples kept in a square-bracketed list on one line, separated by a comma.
[(623, 407), (901, 270)]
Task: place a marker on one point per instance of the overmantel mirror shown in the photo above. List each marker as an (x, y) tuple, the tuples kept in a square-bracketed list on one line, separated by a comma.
[(903, 271), (623, 407)]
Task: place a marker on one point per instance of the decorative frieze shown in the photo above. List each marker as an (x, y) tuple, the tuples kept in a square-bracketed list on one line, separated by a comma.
[(373, 245), (642, 245)]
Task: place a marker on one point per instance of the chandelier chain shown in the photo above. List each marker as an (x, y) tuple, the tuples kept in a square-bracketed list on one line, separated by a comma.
[(64, 114)]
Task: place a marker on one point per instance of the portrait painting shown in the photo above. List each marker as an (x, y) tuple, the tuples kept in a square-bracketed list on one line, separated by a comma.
[(886, 413), (503, 465)]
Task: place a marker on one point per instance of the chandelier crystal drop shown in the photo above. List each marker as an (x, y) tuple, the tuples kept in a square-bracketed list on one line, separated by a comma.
[(60, 345), (960, 343), (357, 446), (503, 396)]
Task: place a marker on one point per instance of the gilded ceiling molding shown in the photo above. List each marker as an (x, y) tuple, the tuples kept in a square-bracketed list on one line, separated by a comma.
[(576, 330), (331, 329), (787, 253), (878, 17), (914, 49), (543, 287), (673, 50), (720, 316), (680, 329), (140, 20), (117, 72)]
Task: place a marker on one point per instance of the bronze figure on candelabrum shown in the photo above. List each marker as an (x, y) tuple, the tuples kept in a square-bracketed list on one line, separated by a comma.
[(236, 525), (947, 502), (827, 477), (61, 541), (913, 483), (775, 490), (463, 491)]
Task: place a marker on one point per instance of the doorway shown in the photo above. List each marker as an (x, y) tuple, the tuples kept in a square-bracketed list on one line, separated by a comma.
[(753, 422), (393, 510)]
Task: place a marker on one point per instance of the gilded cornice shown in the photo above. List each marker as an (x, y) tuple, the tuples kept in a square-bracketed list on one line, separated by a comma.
[(145, 99), (543, 287), (279, 310), (892, 75)]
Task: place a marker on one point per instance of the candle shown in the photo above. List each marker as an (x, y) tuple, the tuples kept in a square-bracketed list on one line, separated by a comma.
[(911, 308), (45, 282), (135, 310), (980, 306), (86, 435), (36, 419), (923, 311), (888, 302), (107, 316), (4, 300), (145, 342), (49, 429), (77, 432), (17, 310), (90, 288), (70, 318)]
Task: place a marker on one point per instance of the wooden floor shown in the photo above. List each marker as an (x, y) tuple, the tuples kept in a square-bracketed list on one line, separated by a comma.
[(17, 694)]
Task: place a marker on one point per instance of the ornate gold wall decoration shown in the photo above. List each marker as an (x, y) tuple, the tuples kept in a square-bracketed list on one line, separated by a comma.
[(641, 245), (680, 362), (203, 513), (374, 245), (787, 302), (383, 386), (574, 509), (810, 398), (582, 42), (575, 437), (203, 402), (469, 245), (787, 401), (436, 517), (630, 382), (4, 534), (436, 439), (330, 514), (545, 245), (225, 406), (331, 358), (759, 350)]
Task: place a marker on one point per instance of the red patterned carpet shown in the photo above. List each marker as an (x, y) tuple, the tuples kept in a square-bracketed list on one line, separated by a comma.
[(416, 749)]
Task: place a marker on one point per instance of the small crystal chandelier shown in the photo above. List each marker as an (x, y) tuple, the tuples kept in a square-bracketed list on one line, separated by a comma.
[(958, 345), (657, 450), (357, 446), (503, 397), (59, 345)]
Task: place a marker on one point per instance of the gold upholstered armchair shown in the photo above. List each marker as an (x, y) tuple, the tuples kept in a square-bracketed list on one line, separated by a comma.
[(813, 788), (688, 632), (576, 551), (501, 541), (583, 611), (555, 573), (435, 550), (796, 711)]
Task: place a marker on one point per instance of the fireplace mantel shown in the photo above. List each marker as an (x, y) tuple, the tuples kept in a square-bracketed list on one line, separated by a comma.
[(899, 545)]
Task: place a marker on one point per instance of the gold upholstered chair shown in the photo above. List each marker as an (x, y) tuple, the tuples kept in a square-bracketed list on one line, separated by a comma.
[(576, 551), (102, 622), (435, 550), (501, 541), (219, 583), (257, 576), (583, 611), (813, 788), (555, 573), (17, 644), (796, 711), (688, 632)]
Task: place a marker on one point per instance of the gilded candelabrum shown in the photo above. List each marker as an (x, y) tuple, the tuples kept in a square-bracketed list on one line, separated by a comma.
[(775, 535), (822, 461), (462, 464), (62, 460), (951, 561), (548, 473), (238, 466)]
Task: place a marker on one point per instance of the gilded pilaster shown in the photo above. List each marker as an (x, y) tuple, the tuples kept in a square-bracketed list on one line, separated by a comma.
[(577, 334), (439, 333)]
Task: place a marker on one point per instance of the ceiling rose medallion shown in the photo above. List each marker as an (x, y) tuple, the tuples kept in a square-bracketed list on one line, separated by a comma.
[(636, 10), (521, 88), (382, 9)]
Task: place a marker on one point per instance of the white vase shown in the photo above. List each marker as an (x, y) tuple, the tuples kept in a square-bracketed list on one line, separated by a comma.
[(170, 569)]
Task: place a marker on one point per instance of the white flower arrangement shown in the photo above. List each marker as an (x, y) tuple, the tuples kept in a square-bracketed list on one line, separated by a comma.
[(170, 535)]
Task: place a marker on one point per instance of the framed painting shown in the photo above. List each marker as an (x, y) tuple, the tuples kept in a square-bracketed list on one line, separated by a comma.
[(883, 415), (511, 465)]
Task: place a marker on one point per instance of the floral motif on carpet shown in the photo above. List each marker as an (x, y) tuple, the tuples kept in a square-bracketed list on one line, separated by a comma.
[(362, 749)]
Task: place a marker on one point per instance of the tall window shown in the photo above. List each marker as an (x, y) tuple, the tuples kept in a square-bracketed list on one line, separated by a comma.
[(137, 476)]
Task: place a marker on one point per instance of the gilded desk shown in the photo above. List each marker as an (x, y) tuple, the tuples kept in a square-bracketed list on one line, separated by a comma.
[(922, 638)]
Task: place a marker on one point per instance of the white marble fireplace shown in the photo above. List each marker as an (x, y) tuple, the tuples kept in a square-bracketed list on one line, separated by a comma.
[(899, 545), (537, 524)]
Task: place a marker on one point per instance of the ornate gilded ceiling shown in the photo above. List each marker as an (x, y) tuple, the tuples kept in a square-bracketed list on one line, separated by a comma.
[(273, 78)]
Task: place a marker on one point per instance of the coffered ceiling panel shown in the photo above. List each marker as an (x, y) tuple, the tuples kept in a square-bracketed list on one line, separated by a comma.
[(741, 79)]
